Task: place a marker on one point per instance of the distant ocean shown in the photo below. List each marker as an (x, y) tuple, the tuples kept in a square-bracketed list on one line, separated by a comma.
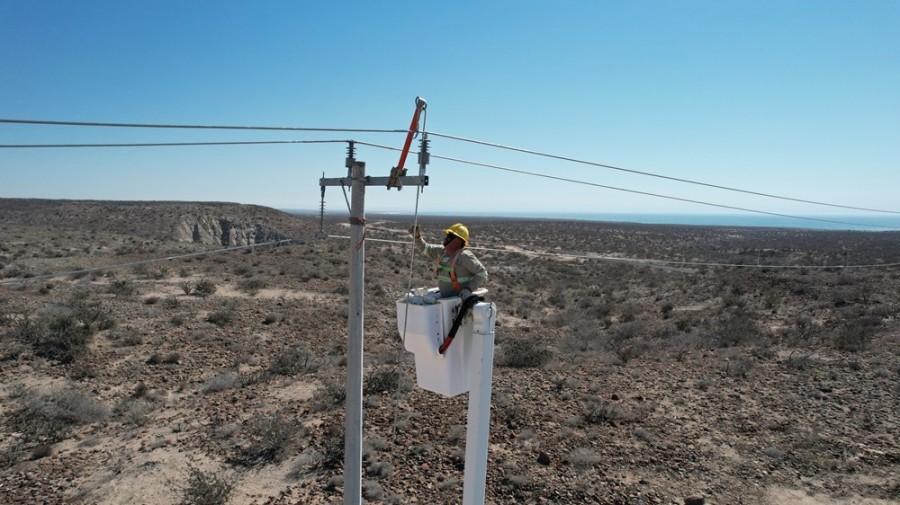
[(818, 222), (835, 222)]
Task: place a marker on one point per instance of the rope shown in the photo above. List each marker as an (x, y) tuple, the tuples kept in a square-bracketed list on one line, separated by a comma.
[(409, 281)]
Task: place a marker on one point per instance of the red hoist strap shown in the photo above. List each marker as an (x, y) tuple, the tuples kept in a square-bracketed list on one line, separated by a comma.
[(467, 304), (453, 279)]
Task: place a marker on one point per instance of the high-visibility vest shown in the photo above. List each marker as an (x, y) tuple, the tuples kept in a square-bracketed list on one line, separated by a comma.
[(447, 273)]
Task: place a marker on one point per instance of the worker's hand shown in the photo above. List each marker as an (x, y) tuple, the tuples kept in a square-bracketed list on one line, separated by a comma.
[(464, 294), (416, 232)]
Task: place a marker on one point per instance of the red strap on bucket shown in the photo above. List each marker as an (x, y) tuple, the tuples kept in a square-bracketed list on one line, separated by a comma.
[(467, 304)]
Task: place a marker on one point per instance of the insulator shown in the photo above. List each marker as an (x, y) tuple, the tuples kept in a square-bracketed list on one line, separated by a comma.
[(351, 154), (424, 156)]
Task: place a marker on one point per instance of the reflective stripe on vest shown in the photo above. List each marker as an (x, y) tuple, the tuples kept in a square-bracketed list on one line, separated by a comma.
[(451, 270)]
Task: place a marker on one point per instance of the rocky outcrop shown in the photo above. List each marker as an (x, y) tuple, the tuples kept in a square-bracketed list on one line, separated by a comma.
[(219, 223), (224, 231)]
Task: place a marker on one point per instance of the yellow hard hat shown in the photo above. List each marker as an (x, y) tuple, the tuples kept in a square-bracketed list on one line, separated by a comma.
[(460, 231)]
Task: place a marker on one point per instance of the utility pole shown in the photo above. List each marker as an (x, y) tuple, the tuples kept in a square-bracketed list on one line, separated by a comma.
[(353, 413), (353, 410)]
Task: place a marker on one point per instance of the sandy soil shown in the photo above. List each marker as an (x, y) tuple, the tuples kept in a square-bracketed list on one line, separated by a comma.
[(614, 382)]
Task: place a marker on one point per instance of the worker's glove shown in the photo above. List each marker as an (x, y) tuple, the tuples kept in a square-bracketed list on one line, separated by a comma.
[(416, 232), (464, 294)]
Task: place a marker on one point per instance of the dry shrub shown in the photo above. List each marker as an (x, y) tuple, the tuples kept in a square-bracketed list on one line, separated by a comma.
[(60, 332), (296, 359), (521, 352), (204, 288), (331, 394), (50, 419), (206, 488), (372, 490), (228, 379), (802, 330), (269, 439), (222, 317), (599, 411), (736, 329), (739, 366), (583, 457), (251, 286), (385, 380)]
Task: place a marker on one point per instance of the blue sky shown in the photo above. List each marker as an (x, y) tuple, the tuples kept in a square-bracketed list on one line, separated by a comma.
[(799, 99)]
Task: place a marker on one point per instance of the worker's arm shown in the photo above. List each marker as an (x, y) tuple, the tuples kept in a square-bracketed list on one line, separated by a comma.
[(424, 248)]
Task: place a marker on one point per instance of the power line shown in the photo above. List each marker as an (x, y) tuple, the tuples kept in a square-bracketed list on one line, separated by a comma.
[(649, 261), (645, 193), (169, 144), (659, 176), (452, 137), (195, 127), (137, 263)]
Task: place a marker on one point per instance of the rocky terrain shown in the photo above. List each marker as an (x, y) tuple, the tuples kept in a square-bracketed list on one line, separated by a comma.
[(161, 352)]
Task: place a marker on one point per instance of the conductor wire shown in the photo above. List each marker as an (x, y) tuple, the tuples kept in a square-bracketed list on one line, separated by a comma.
[(658, 176), (645, 193), (195, 127), (168, 144)]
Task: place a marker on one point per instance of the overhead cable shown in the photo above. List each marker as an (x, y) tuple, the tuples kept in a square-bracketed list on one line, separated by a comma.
[(170, 144), (527, 151), (645, 193), (659, 176), (195, 127)]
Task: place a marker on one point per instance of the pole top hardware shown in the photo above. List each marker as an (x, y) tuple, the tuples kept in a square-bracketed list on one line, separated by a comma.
[(395, 180)]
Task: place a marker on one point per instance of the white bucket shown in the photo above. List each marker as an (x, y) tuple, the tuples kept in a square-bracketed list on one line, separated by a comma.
[(424, 328)]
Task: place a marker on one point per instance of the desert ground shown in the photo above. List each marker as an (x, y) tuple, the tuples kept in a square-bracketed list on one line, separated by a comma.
[(166, 353)]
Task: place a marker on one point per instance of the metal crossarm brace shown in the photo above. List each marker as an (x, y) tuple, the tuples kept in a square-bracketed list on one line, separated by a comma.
[(410, 180)]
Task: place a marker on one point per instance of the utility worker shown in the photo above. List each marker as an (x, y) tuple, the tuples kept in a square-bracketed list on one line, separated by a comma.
[(458, 270)]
